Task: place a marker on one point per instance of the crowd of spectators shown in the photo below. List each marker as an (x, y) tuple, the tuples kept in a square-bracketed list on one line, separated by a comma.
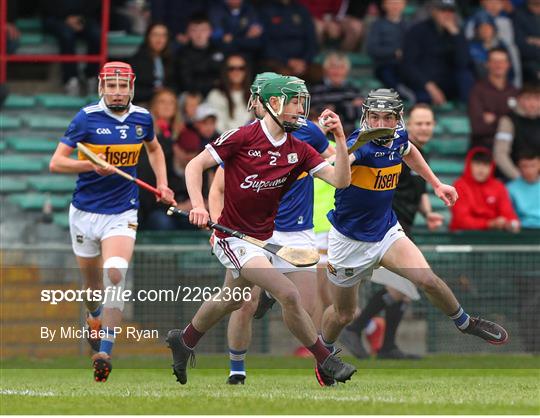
[(198, 59)]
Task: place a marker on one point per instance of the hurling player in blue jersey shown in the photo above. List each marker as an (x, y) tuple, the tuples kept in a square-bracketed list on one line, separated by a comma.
[(365, 232), (293, 228), (103, 212)]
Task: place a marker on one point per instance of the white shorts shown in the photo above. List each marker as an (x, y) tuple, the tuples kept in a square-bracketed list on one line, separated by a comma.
[(294, 239), (351, 261), (89, 229), (234, 253), (321, 240)]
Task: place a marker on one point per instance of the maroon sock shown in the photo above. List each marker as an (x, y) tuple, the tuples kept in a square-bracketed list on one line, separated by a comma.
[(191, 336), (319, 351)]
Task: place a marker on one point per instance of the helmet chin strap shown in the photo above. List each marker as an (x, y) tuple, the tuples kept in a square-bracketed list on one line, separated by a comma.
[(117, 107), (286, 126)]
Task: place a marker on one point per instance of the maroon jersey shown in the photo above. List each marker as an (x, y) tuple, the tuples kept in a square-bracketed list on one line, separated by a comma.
[(258, 172)]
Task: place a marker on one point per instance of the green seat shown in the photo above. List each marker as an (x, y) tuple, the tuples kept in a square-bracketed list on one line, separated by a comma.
[(59, 101), (456, 125), (30, 144), (409, 10), (445, 179), (441, 167), (444, 108), (436, 203), (16, 101), (458, 146), (42, 122), (124, 40), (52, 183), (439, 130), (61, 219), (28, 24), (31, 39), (36, 201), (360, 60), (3, 146), (371, 84), (9, 122), (12, 185), (20, 164)]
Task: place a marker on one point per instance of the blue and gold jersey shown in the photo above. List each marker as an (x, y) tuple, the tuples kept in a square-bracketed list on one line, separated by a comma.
[(296, 206), (363, 211), (120, 139)]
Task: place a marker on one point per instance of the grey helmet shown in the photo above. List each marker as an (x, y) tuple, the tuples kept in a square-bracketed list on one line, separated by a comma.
[(382, 100)]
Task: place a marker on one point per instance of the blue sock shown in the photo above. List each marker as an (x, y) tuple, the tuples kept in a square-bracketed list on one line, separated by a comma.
[(97, 312), (460, 318), (107, 342), (329, 346), (237, 358)]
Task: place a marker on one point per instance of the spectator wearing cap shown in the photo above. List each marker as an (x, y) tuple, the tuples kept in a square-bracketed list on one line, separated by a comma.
[(490, 99), (198, 63), (436, 64), (290, 39), (483, 201), (236, 27), (518, 131), (203, 126), (231, 97), (525, 190), (385, 42), (527, 27), (493, 11), (336, 92)]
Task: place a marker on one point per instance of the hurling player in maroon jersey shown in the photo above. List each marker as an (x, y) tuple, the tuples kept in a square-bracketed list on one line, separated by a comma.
[(261, 160)]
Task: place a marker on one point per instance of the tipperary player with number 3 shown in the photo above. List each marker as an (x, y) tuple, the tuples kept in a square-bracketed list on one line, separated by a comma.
[(365, 232), (261, 162), (103, 212)]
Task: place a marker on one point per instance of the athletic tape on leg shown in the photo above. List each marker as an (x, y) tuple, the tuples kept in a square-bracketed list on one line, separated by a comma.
[(111, 267)]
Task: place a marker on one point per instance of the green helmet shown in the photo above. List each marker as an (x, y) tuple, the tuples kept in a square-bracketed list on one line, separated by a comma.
[(286, 88), (260, 79)]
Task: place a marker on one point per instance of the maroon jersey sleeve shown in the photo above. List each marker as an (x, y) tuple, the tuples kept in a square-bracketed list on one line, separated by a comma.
[(226, 145), (312, 160)]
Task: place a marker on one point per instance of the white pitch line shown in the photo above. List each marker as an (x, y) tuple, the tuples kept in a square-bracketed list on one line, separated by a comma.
[(26, 392)]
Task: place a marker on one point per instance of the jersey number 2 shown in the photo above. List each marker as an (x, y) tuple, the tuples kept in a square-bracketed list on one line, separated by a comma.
[(273, 160)]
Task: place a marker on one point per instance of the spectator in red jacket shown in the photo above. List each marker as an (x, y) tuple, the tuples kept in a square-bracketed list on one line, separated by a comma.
[(483, 201)]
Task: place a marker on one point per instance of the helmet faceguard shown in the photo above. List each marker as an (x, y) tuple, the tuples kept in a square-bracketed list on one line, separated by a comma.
[(255, 88), (384, 101), (286, 89), (114, 72)]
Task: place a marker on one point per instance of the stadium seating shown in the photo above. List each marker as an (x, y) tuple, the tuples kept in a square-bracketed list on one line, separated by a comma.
[(59, 101), (20, 164), (36, 201), (30, 144)]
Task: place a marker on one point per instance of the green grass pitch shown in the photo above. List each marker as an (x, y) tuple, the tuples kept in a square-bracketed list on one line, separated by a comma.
[(276, 385)]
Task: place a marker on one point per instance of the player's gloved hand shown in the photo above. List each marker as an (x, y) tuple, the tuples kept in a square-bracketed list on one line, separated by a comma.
[(101, 170), (447, 194), (434, 220), (199, 216), (167, 195)]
